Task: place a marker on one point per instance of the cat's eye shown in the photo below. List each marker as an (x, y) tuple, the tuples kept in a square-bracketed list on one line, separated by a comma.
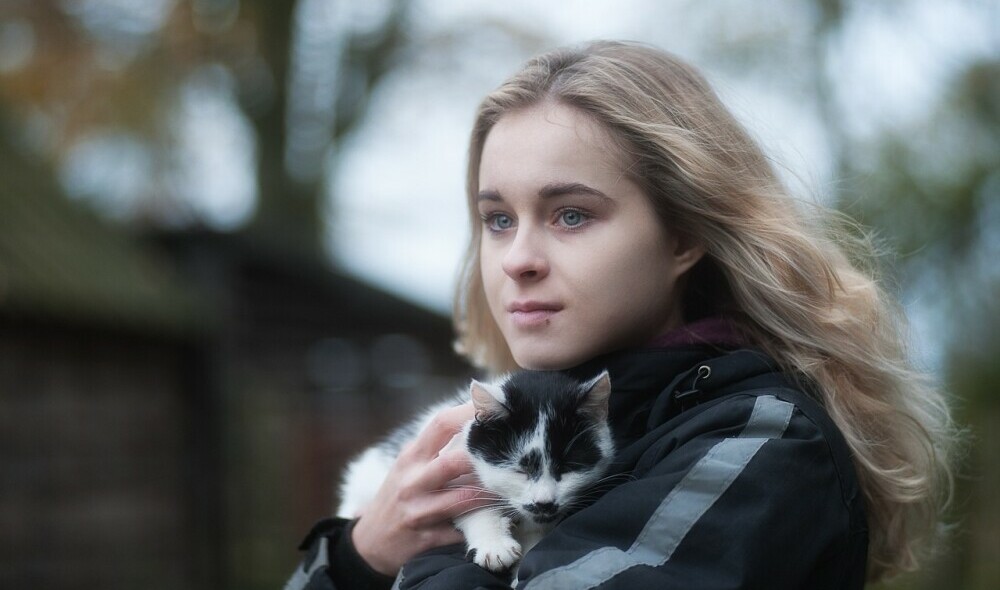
[(530, 464)]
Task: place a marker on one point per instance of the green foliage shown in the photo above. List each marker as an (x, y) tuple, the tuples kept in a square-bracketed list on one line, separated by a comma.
[(933, 192)]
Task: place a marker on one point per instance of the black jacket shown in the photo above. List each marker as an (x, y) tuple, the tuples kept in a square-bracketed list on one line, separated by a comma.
[(730, 477)]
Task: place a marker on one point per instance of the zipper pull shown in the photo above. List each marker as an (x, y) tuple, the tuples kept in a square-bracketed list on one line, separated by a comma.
[(704, 372)]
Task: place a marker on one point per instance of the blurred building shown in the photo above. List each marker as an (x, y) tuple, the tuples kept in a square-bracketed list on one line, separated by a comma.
[(174, 408)]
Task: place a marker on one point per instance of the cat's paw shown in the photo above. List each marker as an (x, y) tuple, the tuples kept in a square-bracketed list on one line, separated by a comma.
[(496, 555)]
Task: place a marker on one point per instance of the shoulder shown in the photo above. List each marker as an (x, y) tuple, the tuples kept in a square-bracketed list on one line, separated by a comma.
[(763, 450), (778, 421), (760, 469)]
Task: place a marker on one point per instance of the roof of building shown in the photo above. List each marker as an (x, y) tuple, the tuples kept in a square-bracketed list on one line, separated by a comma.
[(60, 261)]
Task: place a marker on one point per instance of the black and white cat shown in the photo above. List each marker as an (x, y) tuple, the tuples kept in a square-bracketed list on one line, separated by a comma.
[(540, 439)]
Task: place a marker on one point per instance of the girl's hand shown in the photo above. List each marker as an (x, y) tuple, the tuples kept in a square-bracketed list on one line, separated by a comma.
[(413, 510)]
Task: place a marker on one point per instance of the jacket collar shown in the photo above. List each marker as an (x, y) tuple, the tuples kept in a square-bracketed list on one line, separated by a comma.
[(651, 385)]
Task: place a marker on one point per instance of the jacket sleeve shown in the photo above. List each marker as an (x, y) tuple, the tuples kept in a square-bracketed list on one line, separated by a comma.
[(332, 563), (447, 568), (745, 495)]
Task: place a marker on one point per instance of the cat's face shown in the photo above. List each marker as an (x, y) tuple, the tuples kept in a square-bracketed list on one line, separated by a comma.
[(541, 440)]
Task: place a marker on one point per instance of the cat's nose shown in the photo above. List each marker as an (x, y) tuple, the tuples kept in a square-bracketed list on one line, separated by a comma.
[(543, 508)]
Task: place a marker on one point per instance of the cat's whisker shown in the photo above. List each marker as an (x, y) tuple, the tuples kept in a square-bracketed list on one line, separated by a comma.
[(493, 500), (510, 513), (616, 479), (490, 508), (473, 507), (477, 489)]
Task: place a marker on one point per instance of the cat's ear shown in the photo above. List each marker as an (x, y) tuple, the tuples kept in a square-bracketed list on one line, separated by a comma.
[(594, 395), (488, 400)]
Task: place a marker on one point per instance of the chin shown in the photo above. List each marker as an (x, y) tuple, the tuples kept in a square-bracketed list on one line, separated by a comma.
[(536, 361)]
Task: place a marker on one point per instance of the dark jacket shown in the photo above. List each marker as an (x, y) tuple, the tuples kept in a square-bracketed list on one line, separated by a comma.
[(727, 475)]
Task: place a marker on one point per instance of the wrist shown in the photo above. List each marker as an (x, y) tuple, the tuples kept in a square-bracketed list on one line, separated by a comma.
[(356, 543)]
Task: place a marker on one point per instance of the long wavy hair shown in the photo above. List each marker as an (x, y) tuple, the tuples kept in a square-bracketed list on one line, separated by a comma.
[(797, 280)]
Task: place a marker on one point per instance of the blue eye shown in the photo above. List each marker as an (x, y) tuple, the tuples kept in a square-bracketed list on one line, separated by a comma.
[(497, 222), (571, 218)]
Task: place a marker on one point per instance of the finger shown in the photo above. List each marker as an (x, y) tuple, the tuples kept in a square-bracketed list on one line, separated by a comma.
[(465, 480), (444, 534), (442, 427), (445, 504), (442, 507), (430, 510), (443, 469), (459, 501)]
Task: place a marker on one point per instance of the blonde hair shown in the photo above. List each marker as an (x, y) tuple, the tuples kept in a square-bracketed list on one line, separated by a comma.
[(796, 286)]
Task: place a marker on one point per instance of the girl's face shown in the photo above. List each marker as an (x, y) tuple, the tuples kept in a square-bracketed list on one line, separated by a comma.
[(574, 260)]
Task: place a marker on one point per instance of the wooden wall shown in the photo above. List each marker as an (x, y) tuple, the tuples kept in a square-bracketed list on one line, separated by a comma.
[(97, 485)]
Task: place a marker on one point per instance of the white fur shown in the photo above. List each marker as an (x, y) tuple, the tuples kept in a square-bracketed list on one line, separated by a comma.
[(520, 490), (491, 533), (362, 480), (364, 474)]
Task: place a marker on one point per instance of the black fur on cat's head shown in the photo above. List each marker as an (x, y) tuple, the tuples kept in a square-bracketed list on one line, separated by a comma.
[(540, 439)]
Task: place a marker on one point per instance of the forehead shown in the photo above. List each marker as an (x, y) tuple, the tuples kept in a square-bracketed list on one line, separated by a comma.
[(549, 142)]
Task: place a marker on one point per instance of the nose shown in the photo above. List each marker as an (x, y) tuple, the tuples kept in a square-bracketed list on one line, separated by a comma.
[(525, 259), (542, 508)]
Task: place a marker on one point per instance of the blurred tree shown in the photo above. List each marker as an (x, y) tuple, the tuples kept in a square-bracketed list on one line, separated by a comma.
[(100, 68), (929, 189), (299, 76), (933, 193), (99, 93), (290, 189)]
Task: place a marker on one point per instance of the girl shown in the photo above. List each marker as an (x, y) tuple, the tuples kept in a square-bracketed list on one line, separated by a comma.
[(770, 429)]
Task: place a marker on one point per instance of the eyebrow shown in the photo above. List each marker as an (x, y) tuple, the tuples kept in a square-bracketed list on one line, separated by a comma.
[(553, 189)]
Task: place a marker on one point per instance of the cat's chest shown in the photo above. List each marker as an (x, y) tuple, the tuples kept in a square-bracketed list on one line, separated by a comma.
[(528, 533)]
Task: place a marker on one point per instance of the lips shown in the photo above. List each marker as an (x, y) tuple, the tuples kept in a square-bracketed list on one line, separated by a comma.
[(531, 314)]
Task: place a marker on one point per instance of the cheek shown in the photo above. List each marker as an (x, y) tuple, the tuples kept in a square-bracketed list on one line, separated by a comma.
[(491, 273), (570, 484), (574, 485), (501, 481), (627, 275), (629, 296), (648, 254)]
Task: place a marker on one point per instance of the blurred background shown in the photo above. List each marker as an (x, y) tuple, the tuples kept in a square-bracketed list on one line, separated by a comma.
[(229, 232)]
